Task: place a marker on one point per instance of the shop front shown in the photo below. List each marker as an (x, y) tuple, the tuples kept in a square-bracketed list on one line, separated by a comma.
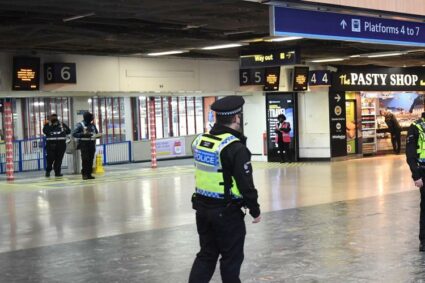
[(380, 105)]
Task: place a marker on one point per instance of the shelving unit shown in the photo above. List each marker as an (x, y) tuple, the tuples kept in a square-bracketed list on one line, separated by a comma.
[(369, 126)]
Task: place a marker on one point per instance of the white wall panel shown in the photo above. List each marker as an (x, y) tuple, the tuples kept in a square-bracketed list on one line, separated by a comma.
[(314, 130), (255, 121)]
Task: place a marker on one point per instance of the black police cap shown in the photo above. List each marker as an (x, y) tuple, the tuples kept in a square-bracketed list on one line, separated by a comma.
[(229, 105)]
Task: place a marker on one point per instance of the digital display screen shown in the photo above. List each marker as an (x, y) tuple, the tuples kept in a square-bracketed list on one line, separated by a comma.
[(26, 73), (300, 78), (272, 76)]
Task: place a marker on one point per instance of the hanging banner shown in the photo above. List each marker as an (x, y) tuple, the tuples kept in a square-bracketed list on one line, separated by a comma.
[(327, 25)]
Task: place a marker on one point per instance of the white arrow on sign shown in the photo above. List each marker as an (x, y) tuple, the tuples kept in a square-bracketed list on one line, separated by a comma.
[(337, 98), (343, 24)]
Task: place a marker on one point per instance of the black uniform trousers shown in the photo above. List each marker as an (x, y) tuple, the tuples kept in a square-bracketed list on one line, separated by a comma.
[(396, 141), (221, 232), (88, 149), (422, 215), (55, 151), (284, 151)]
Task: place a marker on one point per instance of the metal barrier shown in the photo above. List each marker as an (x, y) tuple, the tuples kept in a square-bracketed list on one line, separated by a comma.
[(29, 155)]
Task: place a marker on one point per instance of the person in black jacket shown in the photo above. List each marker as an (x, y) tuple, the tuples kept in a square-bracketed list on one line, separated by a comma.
[(86, 132), (56, 133), (394, 129), (415, 157), (224, 185)]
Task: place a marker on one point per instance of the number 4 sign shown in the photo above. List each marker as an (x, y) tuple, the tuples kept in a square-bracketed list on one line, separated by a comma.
[(319, 77)]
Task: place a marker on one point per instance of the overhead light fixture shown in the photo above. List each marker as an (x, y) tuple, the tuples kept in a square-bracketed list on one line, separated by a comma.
[(355, 56), (222, 46), (280, 39), (385, 55), (327, 60), (77, 17), (173, 52)]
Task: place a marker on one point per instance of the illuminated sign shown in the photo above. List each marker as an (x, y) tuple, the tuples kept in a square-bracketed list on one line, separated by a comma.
[(300, 78), (251, 77), (270, 58), (64, 73), (319, 78), (272, 79), (335, 26), (378, 78), (26, 73)]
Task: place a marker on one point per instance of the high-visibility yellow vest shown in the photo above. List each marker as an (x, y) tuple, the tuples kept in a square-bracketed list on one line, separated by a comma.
[(209, 171), (420, 124)]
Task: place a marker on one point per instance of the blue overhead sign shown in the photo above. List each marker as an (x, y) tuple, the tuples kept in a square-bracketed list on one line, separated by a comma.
[(325, 25)]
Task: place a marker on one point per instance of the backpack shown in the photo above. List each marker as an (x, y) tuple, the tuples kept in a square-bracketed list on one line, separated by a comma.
[(72, 143)]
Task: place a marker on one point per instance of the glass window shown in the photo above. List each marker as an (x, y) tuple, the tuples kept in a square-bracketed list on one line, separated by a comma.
[(191, 115), (182, 116), (175, 116), (144, 121), (166, 117), (158, 118), (199, 112)]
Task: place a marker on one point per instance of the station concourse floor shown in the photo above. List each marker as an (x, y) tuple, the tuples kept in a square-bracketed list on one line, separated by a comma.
[(347, 221)]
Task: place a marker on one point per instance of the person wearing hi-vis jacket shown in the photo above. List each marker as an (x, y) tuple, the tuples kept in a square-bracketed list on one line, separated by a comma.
[(86, 133), (283, 138)]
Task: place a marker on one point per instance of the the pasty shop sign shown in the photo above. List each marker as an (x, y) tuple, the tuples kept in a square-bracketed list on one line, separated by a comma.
[(380, 79)]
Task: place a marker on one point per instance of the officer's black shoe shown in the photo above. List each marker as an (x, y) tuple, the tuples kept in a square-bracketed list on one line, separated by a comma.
[(58, 175), (90, 177), (422, 247), (47, 174)]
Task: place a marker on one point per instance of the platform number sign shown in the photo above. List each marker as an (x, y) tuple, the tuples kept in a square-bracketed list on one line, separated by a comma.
[(251, 77), (63, 73), (318, 78)]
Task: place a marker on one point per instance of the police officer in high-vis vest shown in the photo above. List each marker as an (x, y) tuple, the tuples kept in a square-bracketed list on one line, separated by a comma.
[(224, 185), (56, 133), (415, 153)]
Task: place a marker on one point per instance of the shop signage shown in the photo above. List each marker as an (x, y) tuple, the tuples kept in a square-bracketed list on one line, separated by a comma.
[(272, 77), (319, 78), (169, 148), (64, 73), (270, 58), (251, 77), (26, 73), (326, 25), (300, 79), (379, 79), (338, 124)]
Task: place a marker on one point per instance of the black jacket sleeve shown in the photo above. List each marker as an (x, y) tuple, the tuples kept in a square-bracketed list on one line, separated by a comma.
[(411, 151), (47, 129), (66, 128), (238, 162)]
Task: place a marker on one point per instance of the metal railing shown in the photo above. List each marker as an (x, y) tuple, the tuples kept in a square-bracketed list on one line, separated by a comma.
[(30, 155)]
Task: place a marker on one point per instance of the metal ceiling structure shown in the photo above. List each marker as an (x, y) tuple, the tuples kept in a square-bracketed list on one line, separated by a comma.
[(138, 27)]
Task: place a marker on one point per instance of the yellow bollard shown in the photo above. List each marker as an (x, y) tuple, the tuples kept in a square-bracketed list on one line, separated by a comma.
[(98, 169)]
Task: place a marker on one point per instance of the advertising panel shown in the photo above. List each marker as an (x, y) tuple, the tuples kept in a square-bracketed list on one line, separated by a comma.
[(170, 148)]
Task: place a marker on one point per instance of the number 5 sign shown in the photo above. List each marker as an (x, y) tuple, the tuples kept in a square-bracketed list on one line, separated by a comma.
[(63, 73)]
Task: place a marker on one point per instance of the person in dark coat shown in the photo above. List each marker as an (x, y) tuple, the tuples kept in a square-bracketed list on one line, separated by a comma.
[(86, 132), (394, 129), (224, 184), (56, 133), (415, 157)]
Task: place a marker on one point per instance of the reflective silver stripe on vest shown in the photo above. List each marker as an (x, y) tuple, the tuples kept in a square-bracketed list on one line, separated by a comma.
[(56, 139), (205, 168), (87, 139)]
